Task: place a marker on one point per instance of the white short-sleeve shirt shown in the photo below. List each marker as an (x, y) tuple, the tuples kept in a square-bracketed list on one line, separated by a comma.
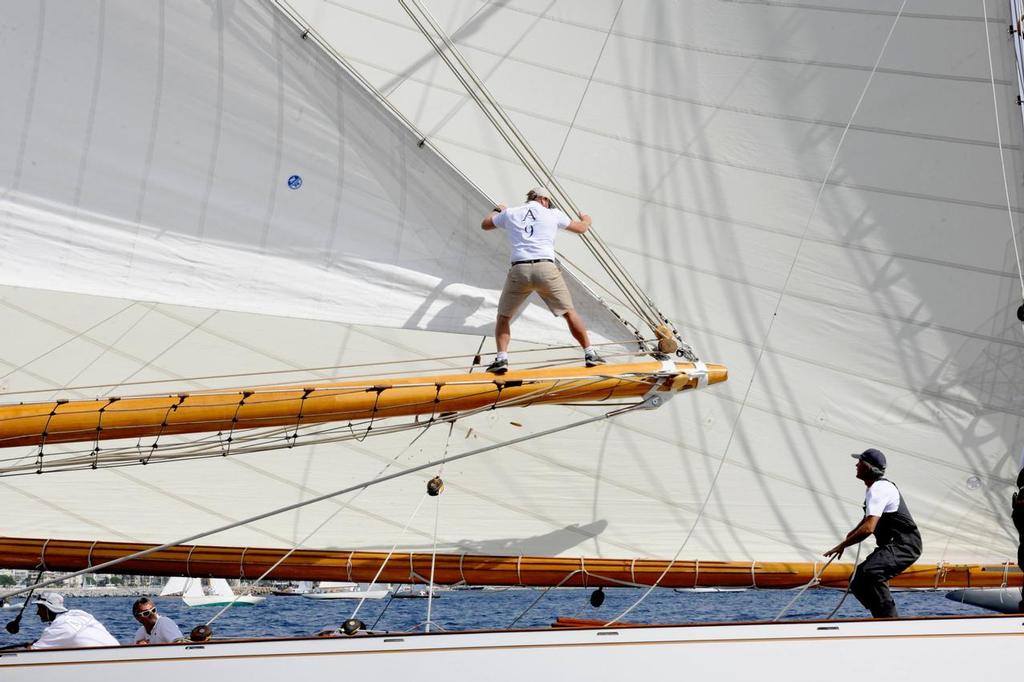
[(74, 628), (164, 630), (531, 230), (881, 497)]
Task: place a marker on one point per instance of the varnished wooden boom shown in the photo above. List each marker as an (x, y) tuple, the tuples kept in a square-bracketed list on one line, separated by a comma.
[(251, 562), (91, 420)]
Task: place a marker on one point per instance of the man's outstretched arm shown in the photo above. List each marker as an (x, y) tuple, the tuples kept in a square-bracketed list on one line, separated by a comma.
[(488, 222), (863, 530), (580, 226)]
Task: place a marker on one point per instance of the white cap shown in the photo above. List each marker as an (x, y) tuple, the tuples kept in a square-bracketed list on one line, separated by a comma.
[(539, 192), (52, 601)]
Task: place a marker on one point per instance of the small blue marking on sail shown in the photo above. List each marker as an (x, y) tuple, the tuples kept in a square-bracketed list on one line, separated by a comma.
[(295, 182)]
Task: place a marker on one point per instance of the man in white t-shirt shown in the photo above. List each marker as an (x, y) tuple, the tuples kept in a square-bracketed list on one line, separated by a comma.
[(531, 230), (68, 629), (153, 627), (887, 517)]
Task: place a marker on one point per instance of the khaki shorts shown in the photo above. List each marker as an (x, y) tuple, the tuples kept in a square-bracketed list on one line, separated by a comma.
[(545, 278)]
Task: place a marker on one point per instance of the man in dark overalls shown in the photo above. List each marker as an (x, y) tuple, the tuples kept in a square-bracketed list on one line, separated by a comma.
[(899, 541), (1017, 514)]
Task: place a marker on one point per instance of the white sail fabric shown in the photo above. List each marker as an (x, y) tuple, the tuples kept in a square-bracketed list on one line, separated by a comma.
[(174, 586), (220, 588), (699, 135), (211, 157), (193, 588)]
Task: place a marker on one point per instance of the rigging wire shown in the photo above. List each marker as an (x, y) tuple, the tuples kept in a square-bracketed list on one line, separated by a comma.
[(314, 500), (348, 503), (640, 303), (1002, 160), (384, 562), (440, 364), (771, 324), (309, 33)]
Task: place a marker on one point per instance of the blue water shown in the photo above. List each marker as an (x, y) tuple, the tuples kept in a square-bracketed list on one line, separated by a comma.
[(462, 610)]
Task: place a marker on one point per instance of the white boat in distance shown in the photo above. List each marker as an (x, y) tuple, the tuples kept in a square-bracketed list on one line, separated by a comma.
[(347, 590), (419, 591), (217, 593), (814, 191)]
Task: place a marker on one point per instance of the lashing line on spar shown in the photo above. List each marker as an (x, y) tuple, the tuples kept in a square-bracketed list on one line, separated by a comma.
[(268, 440)]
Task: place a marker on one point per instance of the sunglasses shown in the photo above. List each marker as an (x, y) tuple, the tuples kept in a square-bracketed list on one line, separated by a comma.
[(146, 613)]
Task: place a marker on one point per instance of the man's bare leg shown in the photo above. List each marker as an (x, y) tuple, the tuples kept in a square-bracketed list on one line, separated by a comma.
[(577, 328), (502, 336), (503, 332), (579, 332)]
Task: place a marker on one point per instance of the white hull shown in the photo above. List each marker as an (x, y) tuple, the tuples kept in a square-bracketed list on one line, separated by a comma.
[(934, 648), (355, 594), (218, 600)]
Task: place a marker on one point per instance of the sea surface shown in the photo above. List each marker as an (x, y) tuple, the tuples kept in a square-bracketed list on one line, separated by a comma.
[(472, 609)]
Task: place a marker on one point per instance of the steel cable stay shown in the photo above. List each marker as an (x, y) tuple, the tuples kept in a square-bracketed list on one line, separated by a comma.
[(99, 568), (531, 160), (639, 302), (999, 140), (302, 543), (440, 360)]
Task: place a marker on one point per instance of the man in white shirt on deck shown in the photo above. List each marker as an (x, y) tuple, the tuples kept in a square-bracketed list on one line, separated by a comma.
[(531, 230), (68, 629), (899, 541), (153, 628)]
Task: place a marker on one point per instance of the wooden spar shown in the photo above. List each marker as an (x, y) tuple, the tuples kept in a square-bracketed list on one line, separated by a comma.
[(304, 564), (63, 421)]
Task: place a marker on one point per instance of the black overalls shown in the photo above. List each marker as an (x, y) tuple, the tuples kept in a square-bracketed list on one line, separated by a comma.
[(899, 546), (1017, 514)]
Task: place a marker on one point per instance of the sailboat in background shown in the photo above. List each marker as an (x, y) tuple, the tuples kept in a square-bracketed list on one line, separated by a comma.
[(218, 592), (346, 590), (211, 225)]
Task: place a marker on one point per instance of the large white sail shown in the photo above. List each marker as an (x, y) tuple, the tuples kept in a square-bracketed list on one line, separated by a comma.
[(698, 134), (205, 156)]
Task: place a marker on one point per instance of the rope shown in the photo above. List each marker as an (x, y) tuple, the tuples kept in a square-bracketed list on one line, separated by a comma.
[(437, 516), (301, 543), (813, 582), (433, 362), (541, 596), (391, 551), (771, 323), (849, 583)]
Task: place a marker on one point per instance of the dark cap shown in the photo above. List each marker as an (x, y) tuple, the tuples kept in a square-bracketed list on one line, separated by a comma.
[(871, 456)]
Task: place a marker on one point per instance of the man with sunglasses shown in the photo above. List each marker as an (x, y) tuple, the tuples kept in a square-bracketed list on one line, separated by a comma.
[(154, 628)]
